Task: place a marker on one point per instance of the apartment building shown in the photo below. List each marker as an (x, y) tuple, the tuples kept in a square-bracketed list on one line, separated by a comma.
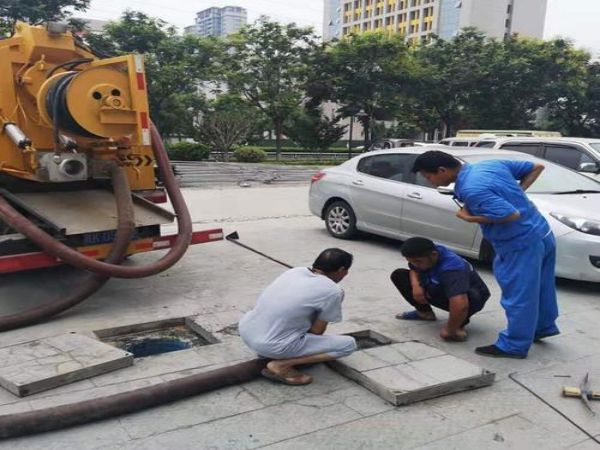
[(219, 22), (417, 19)]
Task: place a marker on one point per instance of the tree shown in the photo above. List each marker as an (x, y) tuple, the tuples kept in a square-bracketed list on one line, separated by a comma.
[(267, 63), (175, 66), (36, 11), (228, 122), (312, 130), (364, 73), (577, 112)]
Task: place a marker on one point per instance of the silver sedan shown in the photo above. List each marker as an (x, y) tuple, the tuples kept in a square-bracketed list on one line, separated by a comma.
[(377, 193)]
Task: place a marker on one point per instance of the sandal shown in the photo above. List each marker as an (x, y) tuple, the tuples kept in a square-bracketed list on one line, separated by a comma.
[(290, 378), (413, 315)]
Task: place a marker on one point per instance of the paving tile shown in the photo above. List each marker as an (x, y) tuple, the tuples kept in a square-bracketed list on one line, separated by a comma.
[(44, 364), (201, 408), (107, 434), (401, 428), (252, 429), (514, 432)]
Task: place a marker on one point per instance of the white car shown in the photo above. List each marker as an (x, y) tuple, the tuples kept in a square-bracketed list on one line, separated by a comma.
[(377, 193), (580, 154)]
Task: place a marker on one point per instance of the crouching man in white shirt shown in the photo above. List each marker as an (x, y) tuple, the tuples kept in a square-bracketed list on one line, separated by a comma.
[(289, 320)]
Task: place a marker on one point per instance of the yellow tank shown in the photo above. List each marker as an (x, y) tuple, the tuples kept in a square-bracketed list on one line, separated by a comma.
[(64, 112)]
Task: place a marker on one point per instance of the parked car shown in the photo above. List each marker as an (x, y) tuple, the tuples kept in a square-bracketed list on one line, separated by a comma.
[(395, 143), (377, 193), (580, 154), (461, 142)]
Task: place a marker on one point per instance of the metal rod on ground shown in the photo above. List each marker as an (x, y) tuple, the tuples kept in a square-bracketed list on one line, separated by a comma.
[(234, 237)]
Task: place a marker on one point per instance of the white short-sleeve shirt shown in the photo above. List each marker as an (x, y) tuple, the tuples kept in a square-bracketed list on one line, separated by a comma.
[(287, 308)]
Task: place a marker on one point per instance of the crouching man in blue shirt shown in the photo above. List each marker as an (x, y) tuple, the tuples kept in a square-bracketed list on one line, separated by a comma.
[(493, 194), (439, 277)]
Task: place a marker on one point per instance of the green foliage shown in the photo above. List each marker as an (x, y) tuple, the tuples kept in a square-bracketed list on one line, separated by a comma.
[(188, 151), (249, 155), (228, 122), (36, 11), (313, 131)]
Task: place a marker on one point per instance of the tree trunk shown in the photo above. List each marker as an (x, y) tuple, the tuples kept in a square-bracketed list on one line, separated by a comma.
[(278, 140)]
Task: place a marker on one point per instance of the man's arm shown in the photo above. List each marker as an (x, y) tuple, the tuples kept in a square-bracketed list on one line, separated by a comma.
[(459, 310), (318, 327), (465, 215), (417, 290), (532, 176)]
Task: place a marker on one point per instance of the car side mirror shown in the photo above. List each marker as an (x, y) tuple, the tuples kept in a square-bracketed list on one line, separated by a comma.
[(589, 167), (445, 190)]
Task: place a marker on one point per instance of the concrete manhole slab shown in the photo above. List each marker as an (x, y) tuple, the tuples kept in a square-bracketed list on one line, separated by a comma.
[(408, 372), (47, 363), (547, 384)]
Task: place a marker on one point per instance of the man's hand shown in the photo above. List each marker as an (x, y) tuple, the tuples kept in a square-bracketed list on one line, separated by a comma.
[(465, 215), (459, 335)]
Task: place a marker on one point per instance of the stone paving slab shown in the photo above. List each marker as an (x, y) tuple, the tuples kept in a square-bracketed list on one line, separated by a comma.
[(47, 363), (547, 383), (411, 371)]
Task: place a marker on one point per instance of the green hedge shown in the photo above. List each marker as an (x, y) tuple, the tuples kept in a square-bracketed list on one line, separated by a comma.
[(188, 151), (301, 150), (249, 154)]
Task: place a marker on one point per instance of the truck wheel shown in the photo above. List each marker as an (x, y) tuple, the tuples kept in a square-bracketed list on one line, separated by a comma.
[(340, 220)]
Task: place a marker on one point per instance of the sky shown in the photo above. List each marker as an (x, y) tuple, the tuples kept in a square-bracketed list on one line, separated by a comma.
[(574, 19)]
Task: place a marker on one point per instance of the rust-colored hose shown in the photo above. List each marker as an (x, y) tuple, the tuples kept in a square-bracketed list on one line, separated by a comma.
[(49, 419), (70, 256), (125, 230)]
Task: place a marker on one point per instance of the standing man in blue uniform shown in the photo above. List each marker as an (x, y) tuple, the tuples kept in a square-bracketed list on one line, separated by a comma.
[(493, 194)]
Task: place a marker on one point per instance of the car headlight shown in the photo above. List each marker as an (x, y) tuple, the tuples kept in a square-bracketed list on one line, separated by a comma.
[(578, 223)]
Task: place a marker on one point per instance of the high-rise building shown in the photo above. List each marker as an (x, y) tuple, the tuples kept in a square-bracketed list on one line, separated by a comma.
[(219, 22), (332, 21), (417, 19)]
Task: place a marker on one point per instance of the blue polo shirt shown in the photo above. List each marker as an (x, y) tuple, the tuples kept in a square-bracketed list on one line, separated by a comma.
[(491, 189), (452, 276)]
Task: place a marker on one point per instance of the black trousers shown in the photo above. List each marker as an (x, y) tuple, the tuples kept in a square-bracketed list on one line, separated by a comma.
[(401, 279)]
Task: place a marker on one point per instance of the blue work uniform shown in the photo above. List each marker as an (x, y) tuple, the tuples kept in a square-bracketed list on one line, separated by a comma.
[(525, 260)]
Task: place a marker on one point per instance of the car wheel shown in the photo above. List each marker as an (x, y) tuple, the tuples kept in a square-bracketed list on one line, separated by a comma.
[(340, 220), (486, 252)]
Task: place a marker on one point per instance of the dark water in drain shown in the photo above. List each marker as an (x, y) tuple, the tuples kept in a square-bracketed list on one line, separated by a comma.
[(156, 346)]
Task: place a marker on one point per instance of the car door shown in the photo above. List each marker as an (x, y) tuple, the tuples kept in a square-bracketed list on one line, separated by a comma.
[(571, 156), (429, 214), (377, 192)]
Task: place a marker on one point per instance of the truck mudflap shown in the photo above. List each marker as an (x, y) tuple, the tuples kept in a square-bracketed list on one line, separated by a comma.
[(40, 260)]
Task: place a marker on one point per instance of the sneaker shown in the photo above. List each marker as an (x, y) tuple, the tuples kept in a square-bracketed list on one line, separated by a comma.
[(495, 352)]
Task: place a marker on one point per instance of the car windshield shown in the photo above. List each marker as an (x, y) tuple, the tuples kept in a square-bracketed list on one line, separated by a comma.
[(595, 146), (553, 180)]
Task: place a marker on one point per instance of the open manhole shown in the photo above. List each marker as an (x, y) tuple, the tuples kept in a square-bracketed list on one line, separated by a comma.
[(370, 339), (155, 338)]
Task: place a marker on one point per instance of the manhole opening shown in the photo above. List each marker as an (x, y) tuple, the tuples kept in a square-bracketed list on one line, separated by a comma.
[(156, 338), (369, 339)]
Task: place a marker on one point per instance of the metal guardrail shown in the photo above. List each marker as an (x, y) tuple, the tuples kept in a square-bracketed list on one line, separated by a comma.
[(299, 156)]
